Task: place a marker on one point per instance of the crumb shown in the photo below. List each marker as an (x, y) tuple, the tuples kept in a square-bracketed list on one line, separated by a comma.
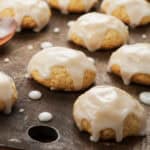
[(25, 118)]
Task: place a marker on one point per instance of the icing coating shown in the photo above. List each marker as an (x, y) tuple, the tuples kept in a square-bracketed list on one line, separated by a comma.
[(76, 63), (64, 4), (92, 27), (7, 26), (37, 9), (6, 91), (106, 107), (132, 59), (145, 97), (136, 9)]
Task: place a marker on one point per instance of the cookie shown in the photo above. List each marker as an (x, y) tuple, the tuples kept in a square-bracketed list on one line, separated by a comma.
[(96, 31), (62, 68), (29, 14), (132, 12), (107, 112), (130, 62)]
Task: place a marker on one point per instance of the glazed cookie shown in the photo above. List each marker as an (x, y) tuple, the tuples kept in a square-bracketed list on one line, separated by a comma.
[(108, 112), (132, 12), (131, 62), (98, 31), (62, 68), (29, 14), (8, 93), (7, 29), (72, 5)]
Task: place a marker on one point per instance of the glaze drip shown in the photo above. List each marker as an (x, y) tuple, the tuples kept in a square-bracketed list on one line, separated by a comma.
[(92, 27), (132, 59), (38, 10), (75, 62), (106, 107)]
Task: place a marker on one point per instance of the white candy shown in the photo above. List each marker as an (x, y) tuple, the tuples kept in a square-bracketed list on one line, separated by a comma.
[(35, 95), (145, 97), (46, 44), (45, 116)]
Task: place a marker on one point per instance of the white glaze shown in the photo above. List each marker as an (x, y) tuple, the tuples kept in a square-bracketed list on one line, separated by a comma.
[(21, 110), (70, 23), (56, 30), (64, 4), (37, 9), (30, 47), (92, 27), (46, 44), (144, 36), (145, 97), (132, 59), (107, 107), (6, 60), (35, 95), (27, 76), (136, 9), (15, 140), (74, 61), (6, 91), (45, 116), (7, 26)]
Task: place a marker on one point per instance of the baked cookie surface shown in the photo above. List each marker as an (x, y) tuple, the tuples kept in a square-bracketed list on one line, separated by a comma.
[(77, 6), (8, 93), (132, 12), (108, 112), (98, 31), (29, 14), (131, 62), (62, 68)]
